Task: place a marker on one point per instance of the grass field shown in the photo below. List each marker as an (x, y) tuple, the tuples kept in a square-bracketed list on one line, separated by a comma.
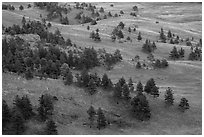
[(183, 76)]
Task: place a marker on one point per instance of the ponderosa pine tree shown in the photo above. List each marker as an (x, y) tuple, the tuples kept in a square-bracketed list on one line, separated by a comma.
[(169, 34), (105, 81), (174, 53), (139, 37), (118, 90), (92, 87), (139, 88), (51, 128), (130, 85), (23, 20), (184, 105), (181, 52), (162, 36), (122, 81), (6, 114), (149, 85), (155, 91), (138, 65), (18, 126), (126, 92), (46, 107), (92, 113), (121, 24), (169, 99), (101, 121), (129, 30), (68, 78), (140, 107)]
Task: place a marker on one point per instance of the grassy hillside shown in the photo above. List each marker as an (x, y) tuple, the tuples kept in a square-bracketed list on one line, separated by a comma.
[(183, 76)]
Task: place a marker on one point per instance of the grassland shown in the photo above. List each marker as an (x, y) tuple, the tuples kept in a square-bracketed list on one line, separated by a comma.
[(184, 77)]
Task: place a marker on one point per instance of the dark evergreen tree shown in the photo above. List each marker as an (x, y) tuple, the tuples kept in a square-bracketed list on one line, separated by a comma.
[(120, 34), (162, 36), (101, 10), (129, 29), (157, 64), (139, 36), (164, 63), (92, 113), (122, 81), (135, 8), (105, 81), (139, 88), (155, 91), (68, 78), (6, 114), (109, 14), (101, 121), (21, 7), (181, 53), (46, 107), (140, 107), (118, 90), (169, 99), (138, 66), (169, 34), (88, 28), (184, 105), (23, 20), (126, 92), (121, 12), (18, 126), (149, 86), (121, 24), (51, 128), (130, 85), (92, 87), (174, 53)]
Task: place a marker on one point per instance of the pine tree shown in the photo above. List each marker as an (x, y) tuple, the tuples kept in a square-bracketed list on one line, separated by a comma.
[(169, 34), (92, 87), (129, 29), (140, 107), (138, 66), (122, 81), (149, 85), (18, 125), (88, 28), (126, 92), (118, 90), (101, 10), (139, 89), (130, 85), (181, 53), (155, 91), (174, 53), (23, 20), (51, 128), (139, 36), (6, 114), (21, 7), (121, 24), (91, 112), (164, 63), (46, 107), (68, 78), (184, 104), (158, 63), (105, 81), (101, 121), (162, 36), (169, 99)]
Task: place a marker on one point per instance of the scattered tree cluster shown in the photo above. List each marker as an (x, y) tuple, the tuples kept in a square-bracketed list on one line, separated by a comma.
[(175, 54), (148, 47), (14, 119)]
